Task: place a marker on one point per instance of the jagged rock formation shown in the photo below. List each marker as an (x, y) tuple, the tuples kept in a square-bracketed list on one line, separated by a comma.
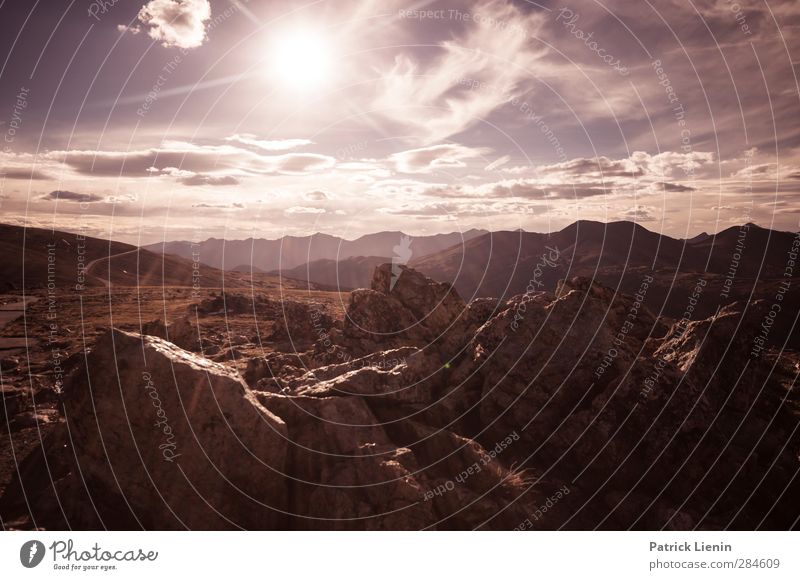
[(576, 409)]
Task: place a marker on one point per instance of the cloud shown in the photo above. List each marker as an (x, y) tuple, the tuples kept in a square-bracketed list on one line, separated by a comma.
[(268, 145), (677, 187), (428, 159), (402, 187), (449, 211), (219, 205), (316, 195), (203, 179), (597, 167), (497, 163), (300, 210), (437, 99), (300, 163), (26, 174), (176, 23), (520, 188), (131, 29), (179, 156), (62, 195), (639, 213)]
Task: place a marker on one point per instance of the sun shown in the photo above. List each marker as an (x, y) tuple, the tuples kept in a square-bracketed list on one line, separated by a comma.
[(302, 59)]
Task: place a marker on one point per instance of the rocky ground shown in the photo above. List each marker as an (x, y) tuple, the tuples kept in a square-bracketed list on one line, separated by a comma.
[(398, 407)]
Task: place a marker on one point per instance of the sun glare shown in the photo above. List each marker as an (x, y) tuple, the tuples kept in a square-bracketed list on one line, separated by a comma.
[(301, 59)]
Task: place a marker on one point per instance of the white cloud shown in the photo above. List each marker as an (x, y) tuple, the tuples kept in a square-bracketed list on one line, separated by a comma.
[(497, 163), (268, 145), (428, 159), (300, 210), (474, 73), (178, 23)]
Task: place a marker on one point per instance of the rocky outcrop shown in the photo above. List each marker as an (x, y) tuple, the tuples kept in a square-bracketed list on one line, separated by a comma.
[(405, 308), (577, 409), (298, 326), (182, 440), (618, 409)]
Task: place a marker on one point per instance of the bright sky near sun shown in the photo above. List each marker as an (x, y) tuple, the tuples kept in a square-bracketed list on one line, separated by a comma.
[(185, 119)]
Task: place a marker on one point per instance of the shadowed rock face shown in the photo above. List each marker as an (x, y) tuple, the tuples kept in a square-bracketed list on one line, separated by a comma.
[(402, 308), (577, 409)]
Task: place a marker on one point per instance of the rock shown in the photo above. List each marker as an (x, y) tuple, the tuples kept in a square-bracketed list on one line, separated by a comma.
[(182, 439), (35, 418), (227, 304), (433, 304), (414, 310), (13, 400), (589, 405), (346, 472), (415, 380), (298, 326), (9, 363), (182, 332)]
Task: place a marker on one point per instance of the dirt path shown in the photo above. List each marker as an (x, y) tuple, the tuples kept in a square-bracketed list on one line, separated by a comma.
[(106, 282)]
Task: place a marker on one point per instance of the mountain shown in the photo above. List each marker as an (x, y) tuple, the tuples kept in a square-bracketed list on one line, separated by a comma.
[(291, 251), (36, 258), (736, 264), (347, 274)]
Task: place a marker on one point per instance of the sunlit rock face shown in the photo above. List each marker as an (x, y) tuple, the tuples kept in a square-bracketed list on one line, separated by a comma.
[(182, 439)]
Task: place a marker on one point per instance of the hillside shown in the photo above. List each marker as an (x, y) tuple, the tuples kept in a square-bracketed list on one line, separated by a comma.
[(35, 258)]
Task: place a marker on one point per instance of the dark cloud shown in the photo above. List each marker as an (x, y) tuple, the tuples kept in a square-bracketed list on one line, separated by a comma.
[(522, 188), (62, 195), (566, 191), (316, 195), (677, 187), (25, 174), (602, 166), (175, 157)]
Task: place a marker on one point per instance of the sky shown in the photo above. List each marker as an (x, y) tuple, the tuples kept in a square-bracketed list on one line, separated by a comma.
[(190, 119)]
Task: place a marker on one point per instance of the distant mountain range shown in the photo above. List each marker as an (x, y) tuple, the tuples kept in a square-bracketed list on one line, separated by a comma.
[(289, 252), (38, 258), (347, 274), (503, 263), (739, 263)]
